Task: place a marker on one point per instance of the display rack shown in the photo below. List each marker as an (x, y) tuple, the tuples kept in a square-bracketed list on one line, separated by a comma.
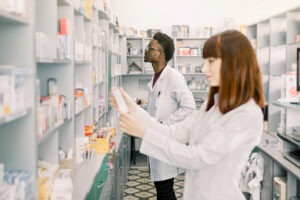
[(135, 57), (274, 40), (18, 116), (187, 59), (76, 46)]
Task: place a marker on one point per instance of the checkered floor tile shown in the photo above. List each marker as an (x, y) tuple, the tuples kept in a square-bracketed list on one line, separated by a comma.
[(138, 185)]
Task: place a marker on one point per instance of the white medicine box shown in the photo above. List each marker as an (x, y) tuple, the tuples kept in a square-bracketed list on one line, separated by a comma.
[(290, 88), (279, 191)]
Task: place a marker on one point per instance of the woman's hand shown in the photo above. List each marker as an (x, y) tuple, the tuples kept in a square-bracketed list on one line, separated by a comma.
[(128, 122), (132, 106), (132, 125)]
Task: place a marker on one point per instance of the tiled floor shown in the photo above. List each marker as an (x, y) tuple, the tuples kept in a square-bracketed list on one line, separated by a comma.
[(138, 185)]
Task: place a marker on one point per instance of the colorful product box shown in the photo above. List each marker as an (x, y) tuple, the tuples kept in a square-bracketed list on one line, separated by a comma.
[(291, 93), (101, 145)]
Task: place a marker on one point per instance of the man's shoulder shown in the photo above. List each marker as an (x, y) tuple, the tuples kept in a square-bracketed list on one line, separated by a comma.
[(175, 72)]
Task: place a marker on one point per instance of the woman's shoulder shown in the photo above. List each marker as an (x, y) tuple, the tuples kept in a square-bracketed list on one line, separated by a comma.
[(251, 104), (250, 108)]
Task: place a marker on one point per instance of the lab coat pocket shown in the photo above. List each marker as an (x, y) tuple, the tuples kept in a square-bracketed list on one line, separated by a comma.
[(163, 106), (164, 110), (162, 103)]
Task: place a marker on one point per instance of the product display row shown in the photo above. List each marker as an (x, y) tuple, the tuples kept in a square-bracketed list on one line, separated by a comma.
[(187, 60), (276, 43), (58, 136)]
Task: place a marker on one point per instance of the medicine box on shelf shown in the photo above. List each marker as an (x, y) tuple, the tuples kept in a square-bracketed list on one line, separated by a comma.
[(101, 145), (280, 188)]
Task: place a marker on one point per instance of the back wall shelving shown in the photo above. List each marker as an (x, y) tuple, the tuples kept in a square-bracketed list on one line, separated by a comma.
[(275, 42)]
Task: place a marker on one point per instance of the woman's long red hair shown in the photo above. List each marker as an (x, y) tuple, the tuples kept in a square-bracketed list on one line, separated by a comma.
[(240, 78)]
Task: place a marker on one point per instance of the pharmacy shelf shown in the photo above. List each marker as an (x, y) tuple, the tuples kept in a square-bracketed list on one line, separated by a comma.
[(101, 116), (278, 156), (85, 173), (52, 130), (83, 62), (8, 18), (116, 76), (135, 56), (18, 33), (287, 105), (113, 26), (274, 40), (193, 74), (291, 159), (142, 74), (278, 45), (199, 91), (189, 56), (14, 116), (191, 38), (137, 83), (53, 61), (192, 58), (64, 3), (103, 15), (294, 44), (289, 139), (135, 53), (102, 48), (18, 128), (82, 111), (80, 12)]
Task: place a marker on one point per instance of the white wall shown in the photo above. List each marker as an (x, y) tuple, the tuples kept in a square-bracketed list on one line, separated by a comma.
[(162, 14), (258, 10)]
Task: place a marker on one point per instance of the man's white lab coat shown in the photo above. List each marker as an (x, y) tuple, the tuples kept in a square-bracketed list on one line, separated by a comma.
[(169, 101)]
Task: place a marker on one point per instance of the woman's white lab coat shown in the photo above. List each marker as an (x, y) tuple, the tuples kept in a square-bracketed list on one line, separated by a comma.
[(170, 100), (218, 147)]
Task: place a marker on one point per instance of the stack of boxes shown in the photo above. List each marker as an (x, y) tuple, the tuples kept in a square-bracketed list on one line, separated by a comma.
[(12, 89), (13, 6), (180, 31)]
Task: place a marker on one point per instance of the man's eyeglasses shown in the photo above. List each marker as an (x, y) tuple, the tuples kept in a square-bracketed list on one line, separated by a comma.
[(148, 47)]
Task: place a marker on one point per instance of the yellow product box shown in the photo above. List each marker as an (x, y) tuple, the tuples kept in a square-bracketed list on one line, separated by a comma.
[(113, 131), (44, 188), (101, 145)]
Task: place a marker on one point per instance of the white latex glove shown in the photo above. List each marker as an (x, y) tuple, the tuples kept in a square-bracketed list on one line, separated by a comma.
[(132, 125), (132, 106), (127, 121)]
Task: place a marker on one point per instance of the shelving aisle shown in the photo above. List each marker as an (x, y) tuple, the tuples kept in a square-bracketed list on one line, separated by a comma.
[(275, 42), (18, 149), (58, 61)]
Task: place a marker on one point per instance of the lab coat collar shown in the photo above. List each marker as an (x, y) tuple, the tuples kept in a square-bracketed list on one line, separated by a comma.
[(161, 77)]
